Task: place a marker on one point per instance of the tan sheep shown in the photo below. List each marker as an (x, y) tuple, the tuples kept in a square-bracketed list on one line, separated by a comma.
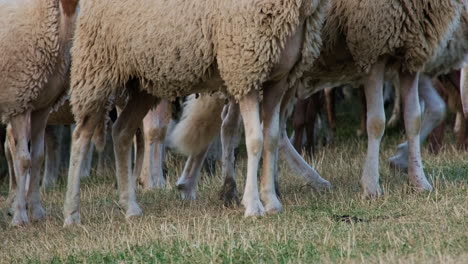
[(165, 49), (363, 40), (35, 38)]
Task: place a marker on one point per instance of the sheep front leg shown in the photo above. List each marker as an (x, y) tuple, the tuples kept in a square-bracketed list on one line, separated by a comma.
[(373, 88), (38, 126), (250, 111), (271, 132), (81, 144), (412, 118), (21, 131), (230, 136), (9, 142), (123, 131)]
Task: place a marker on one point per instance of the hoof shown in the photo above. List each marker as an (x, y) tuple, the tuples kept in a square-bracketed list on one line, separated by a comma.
[(254, 208), (38, 213), (73, 219), (20, 218), (421, 185), (229, 194), (322, 185), (133, 211), (398, 163), (372, 193), (187, 191), (160, 183), (273, 206)]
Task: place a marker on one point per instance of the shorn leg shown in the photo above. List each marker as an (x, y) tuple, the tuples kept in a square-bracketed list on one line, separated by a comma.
[(250, 111), (81, 142), (187, 182), (154, 128), (21, 131), (230, 137), (123, 132), (433, 116), (373, 88), (464, 89), (412, 117), (38, 126)]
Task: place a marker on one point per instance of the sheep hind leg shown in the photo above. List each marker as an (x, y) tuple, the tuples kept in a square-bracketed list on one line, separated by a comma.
[(412, 118), (21, 131), (373, 88), (230, 136), (187, 182), (80, 147), (250, 111), (433, 116), (123, 132), (38, 126), (289, 154)]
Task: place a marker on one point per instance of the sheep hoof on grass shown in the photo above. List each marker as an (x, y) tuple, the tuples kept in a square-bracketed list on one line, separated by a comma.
[(20, 218), (73, 219), (253, 208)]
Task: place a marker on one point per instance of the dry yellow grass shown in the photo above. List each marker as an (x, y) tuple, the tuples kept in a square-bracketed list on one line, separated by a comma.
[(401, 227)]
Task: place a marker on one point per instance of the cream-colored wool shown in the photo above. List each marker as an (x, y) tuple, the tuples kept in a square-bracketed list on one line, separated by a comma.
[(408, 30), (30, 52), (357, 33), (171, 46), (200, 123), (454, 54)]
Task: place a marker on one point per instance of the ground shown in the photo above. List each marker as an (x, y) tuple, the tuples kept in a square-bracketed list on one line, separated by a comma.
[(335, 226)]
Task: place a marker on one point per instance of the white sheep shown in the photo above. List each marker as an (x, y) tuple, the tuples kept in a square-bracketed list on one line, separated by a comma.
[(162, 49), (35, 38)]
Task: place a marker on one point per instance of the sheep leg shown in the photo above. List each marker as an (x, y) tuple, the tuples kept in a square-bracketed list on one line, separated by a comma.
[(10, 141), (331, 109), (299, 123), (373, 89), (21, 131), (38, 126), (250, 111), (363, 116), (396, 112), (81, 143), (464, 89), (154, 126), (271, 132), (88, 163), (433, 116), (230, 136), (53, 137), (123, 132), (312, 113), (293, 159), (412, 118), (138, 153), (187, 182)]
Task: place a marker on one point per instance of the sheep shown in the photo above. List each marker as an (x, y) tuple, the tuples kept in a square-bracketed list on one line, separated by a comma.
[(363, 40), (166, 49), (448, 58), (35, 38)]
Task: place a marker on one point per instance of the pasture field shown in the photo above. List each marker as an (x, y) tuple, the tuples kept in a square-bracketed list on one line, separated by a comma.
[(331, 227)]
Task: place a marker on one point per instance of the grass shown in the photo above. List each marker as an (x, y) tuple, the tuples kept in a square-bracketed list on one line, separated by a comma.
[(400, 227)]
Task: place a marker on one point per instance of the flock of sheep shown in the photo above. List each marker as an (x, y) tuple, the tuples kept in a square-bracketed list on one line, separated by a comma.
[(257, 55)]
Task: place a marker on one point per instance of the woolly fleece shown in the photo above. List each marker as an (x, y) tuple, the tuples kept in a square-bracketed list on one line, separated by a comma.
[(171, 46)]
